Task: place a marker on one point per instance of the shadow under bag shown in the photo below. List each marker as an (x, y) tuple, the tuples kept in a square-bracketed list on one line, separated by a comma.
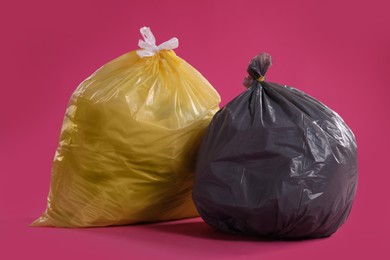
[(276, 162)]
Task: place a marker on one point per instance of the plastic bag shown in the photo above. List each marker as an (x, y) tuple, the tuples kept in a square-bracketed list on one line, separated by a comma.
[(275, 162), (129, 141)]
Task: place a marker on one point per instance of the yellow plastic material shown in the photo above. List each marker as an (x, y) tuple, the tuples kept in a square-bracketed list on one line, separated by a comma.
[(128, 144)]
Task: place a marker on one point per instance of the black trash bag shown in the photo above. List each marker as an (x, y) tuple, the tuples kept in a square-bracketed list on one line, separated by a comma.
[(276, 163)]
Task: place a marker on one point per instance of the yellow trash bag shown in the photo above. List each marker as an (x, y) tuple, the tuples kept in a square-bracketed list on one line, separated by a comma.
[(129, 140)]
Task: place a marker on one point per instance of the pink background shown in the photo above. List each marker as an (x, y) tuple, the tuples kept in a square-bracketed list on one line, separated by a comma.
[(337, 51)]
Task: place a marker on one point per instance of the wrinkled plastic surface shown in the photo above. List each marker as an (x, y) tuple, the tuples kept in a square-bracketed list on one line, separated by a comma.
[(128, 144), (276, 162)]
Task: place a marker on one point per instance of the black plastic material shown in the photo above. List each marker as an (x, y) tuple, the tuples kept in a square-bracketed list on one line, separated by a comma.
[(276, 162)]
